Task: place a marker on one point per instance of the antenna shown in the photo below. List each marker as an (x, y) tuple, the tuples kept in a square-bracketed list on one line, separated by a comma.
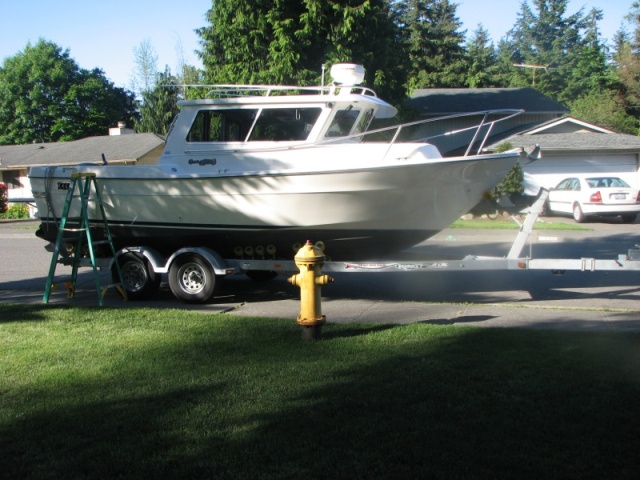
[(534, 67)]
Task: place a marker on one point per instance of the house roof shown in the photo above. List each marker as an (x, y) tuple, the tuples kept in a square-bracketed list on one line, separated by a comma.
[(566, 125), (584, 141), (444, 101), (116, 149)]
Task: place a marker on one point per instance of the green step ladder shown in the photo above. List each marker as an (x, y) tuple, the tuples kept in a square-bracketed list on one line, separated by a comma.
[(83, 182)]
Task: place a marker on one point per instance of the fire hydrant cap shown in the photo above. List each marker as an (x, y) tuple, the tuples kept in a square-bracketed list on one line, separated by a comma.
[(309, 253)]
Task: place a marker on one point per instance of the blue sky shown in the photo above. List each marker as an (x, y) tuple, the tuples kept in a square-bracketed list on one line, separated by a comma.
[(104, 34)]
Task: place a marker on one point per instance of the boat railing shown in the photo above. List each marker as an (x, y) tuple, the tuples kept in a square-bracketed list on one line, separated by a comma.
[(480, 131), (235, 91)]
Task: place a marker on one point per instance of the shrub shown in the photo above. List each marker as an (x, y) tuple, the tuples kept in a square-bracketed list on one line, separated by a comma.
[(4, 200), (16, 211), (511, 184)]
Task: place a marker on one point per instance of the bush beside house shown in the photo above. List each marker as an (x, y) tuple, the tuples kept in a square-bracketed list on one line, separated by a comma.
[(4, 199)]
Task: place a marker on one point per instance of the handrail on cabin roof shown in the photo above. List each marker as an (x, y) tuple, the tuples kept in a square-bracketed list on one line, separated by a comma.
[(233, 91)]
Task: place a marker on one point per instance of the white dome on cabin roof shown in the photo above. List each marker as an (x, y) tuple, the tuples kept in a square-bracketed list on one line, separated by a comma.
[(347, 73)]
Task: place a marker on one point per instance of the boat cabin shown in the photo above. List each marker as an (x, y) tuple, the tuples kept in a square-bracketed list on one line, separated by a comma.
[(247, 114), (302, 118)]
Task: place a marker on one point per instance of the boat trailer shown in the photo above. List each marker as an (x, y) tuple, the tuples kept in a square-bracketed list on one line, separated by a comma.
[(514, 260), (309, 267)]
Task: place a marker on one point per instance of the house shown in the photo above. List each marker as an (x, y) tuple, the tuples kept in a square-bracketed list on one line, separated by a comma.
[(572, 147), (116, 148), (569, 146), (438, 102)]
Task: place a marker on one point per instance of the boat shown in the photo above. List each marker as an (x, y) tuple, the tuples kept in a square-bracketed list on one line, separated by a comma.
[(255, 168)]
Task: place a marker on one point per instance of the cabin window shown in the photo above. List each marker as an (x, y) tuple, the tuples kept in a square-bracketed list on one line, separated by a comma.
[(284, 124), (222, 125), (343, 122), (364, 121)]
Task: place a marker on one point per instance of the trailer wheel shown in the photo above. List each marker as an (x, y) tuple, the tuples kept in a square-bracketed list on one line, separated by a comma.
[(138, 277), (192, 279)]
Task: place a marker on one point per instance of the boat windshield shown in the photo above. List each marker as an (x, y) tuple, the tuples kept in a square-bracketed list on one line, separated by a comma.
[(284, 124), (251, 124), (343, 122), (222, 125)]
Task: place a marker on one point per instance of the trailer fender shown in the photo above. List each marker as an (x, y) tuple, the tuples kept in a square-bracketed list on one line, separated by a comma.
[(156, 260), (220, 265)]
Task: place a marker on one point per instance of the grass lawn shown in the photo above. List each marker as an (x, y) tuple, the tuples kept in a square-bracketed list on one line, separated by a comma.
[(479, 223), (150, 394)]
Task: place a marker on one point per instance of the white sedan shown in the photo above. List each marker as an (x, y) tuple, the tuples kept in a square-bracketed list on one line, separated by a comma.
[(584, 197)]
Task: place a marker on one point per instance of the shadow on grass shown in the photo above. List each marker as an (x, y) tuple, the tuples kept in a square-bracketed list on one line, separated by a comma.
[(247, 399), (11, 313)]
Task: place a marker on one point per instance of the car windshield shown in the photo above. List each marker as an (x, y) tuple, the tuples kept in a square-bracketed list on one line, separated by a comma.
[(607, 182)]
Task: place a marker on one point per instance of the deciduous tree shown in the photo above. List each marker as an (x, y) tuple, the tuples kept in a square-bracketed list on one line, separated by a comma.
[(146, 67), (46, 97)]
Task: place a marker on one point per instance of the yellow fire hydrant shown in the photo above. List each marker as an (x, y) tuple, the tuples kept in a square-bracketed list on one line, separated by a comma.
[(309, 261)]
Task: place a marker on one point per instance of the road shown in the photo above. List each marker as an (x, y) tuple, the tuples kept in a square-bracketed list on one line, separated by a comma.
[(538, 299)]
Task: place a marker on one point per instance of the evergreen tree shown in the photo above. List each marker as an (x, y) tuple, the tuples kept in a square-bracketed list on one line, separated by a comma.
[(558, 49), (46, 97), (159, 105), (433, 42), (626, 61), (281, 42), (506, 74), (591, 74), (483, 60)]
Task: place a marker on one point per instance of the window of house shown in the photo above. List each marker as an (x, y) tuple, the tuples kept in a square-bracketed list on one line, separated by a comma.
[(11, 178)]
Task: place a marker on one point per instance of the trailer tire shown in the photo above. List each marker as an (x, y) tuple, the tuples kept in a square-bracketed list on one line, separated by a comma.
[(139, 279), (192, 279)]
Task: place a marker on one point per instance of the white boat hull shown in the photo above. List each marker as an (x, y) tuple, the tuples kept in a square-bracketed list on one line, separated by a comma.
[(356, 212)]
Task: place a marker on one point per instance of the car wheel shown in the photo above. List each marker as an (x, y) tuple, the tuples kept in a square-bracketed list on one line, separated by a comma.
[(138, 278), (545, 211), (578, 215), (192, 279), (629, 218)]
